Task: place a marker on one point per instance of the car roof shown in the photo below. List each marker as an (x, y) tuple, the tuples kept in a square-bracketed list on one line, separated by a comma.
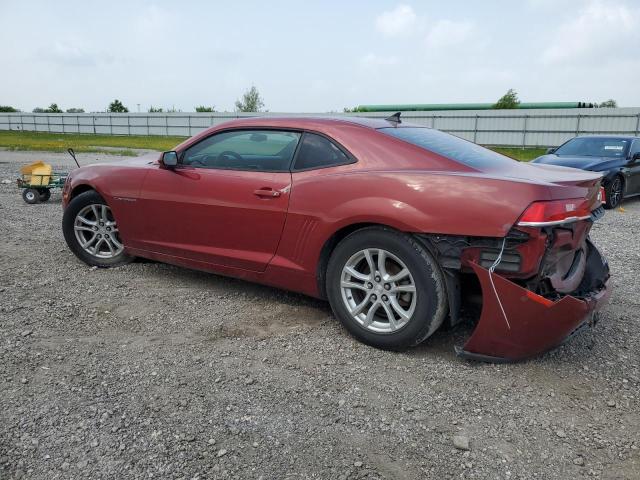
[(604, 135), (303, 121)]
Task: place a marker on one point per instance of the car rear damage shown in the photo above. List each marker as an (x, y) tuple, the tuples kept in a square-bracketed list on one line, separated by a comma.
[(539, 284)]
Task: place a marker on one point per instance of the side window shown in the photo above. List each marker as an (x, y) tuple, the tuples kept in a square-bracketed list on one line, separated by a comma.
[(260, 150), (635, 148), (317, 151)]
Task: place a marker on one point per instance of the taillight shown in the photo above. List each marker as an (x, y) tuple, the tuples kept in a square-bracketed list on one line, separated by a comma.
[(555, 212), (602, 197)]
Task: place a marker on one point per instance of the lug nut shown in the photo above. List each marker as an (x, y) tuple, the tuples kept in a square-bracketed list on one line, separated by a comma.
[(102, 224), (99, 236), (369, 285), (377, 278), (374, 298), (384, 298), (387, 286)]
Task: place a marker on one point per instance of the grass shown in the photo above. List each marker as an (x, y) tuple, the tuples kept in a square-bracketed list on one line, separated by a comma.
[(122, 144), (59, 142), (520, 154)]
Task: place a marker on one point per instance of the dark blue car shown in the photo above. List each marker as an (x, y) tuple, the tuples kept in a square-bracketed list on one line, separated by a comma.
[(617, 157)]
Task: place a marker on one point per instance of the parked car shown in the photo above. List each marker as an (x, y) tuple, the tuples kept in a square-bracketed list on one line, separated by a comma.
[(394, 224), (616, 157)]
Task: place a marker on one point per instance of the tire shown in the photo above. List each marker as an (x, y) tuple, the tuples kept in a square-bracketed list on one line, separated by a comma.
[(614, 192), (424, 310), (88, 218), (31, 196), (45, 194)]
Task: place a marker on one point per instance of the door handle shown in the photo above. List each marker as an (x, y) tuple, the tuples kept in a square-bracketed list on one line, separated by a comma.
[(266, 192)]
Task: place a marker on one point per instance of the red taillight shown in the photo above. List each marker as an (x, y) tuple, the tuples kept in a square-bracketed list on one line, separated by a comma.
[(602, 196), (555, 212)]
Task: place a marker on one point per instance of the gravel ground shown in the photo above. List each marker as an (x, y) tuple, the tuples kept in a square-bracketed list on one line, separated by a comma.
[(156, 371)]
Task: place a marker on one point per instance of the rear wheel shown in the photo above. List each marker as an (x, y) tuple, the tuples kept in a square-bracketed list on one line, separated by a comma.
[(386, 288), (31, 196), (614, 192), (45, 194), (91, 231)]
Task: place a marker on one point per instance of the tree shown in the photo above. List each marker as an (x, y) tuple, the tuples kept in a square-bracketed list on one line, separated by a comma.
[(53, 108), (508, 100), (251, 101), (203, 109), (152, 109), (611, 103), (75, 110), (117, 107), (7, 109)]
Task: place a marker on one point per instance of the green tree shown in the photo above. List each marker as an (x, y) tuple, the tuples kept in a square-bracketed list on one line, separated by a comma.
[(53, 108), (152, 109), (611, 103), (117, 107), (508, 100), (203, 109), (75, 110), (251, 101), (7, 109)]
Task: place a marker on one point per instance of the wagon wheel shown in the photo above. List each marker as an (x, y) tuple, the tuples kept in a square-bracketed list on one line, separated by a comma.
[(31, 195), (44, 193)]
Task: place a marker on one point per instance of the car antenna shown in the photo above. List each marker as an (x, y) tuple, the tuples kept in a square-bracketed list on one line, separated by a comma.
[(395, 118), (73, 155)]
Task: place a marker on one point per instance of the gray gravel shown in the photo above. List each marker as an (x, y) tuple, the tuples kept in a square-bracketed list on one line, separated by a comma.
[(156, 371)]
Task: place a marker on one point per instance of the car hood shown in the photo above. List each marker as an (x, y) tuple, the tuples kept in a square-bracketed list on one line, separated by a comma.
[(583, 162)]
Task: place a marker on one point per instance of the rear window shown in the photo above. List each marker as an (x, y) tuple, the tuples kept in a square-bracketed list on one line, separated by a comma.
[(595, 147), (449, 146)]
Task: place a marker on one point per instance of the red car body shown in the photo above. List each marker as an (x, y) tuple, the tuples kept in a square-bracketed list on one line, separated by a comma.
[(278, 228)]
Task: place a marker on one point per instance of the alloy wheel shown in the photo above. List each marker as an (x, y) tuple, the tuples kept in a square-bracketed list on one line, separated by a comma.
[(615, 192), (378, 290), (97, 232)]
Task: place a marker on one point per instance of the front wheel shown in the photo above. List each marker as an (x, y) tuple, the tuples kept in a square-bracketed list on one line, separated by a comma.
[(31, 196), (386, 288), (45, 194), (614, 192), (91, 231)]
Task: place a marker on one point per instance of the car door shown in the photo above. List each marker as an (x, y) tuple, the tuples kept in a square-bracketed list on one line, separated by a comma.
[(225, 202), (632, 170)]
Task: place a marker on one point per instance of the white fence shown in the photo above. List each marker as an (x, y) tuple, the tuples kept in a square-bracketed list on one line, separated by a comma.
[(521, 128)]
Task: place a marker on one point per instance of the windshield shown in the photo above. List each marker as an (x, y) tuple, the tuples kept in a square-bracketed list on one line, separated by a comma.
[(450, 146), (595, 147)]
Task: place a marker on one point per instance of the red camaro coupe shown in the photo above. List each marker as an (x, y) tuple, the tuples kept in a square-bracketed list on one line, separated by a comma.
[(395, 224)]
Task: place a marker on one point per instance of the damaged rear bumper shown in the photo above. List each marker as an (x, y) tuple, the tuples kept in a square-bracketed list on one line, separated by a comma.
[(517, 324)]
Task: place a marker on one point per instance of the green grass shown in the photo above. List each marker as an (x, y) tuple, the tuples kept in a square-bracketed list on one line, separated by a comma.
[(122, 144), (520, 154), (59, 142)]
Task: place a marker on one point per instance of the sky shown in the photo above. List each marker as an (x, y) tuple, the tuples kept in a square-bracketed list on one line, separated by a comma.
[(316, 56)]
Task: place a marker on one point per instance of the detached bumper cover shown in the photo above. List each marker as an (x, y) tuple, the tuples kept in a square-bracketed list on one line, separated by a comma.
[(516, 323)]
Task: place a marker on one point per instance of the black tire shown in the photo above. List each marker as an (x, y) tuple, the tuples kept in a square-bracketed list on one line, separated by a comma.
[(614, 192), (431, 305), (45, 194), (31, 196), (76, 205)]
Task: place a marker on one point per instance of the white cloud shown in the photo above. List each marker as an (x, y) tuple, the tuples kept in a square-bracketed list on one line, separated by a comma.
[(599, 32), (446, 33), (399, 21), (371, 60)]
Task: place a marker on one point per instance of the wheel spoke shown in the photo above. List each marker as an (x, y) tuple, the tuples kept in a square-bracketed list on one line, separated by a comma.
[(398, 309), (372, 311), (398, 276), (116, 242), (88, 243), (83, 229), (358, 309), (382, 259), (86, 221), (403, 289), (103, 213), (96, 248), (94, 209), (110, 246), (393, 324), (356, 274), (372, 267), (358, 286)]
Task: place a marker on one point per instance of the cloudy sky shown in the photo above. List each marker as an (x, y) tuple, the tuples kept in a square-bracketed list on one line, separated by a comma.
[(316, 56)]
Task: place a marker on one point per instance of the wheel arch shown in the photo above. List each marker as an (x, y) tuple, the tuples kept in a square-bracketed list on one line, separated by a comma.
[(81, 188)]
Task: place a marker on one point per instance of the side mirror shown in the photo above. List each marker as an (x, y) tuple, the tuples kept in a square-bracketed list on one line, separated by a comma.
[(170, 159), (636, 157), (550, 150)]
